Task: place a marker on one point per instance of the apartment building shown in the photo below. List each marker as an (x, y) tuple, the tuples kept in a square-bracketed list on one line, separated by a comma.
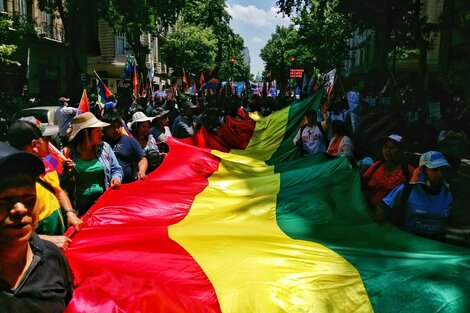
[(42, 55), (114, 51)]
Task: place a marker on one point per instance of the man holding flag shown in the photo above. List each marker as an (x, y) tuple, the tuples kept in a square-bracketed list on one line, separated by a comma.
[(64, 114)]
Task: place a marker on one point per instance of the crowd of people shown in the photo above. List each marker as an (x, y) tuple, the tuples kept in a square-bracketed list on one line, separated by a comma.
[(102, 152)]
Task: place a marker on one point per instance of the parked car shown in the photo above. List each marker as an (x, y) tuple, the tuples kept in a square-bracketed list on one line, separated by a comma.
[(45, 114)]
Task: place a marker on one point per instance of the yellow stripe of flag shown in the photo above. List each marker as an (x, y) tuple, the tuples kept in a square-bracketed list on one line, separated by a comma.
[(231, 231)]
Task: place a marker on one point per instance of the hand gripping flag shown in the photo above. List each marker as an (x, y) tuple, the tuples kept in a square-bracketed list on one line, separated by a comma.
[(256, 230), (55, 158)]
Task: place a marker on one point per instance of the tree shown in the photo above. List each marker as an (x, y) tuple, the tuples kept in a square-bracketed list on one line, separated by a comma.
[(213, 14), (13, 33), (398, 26), (277, 51), (6, 50), (191, 48), (323, 34)]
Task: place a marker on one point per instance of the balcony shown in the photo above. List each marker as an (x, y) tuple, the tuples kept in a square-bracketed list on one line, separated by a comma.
[(51, 31)]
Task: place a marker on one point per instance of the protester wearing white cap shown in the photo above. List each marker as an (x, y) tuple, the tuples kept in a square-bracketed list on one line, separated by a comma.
[(389, 172), (140, 129), (423, 205)]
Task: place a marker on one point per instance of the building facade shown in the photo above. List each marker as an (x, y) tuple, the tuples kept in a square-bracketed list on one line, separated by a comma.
[(114, 52), (41, 55)]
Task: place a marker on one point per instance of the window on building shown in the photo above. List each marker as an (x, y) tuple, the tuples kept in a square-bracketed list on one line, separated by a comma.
[(46, 24), (121, 46), (3, 5), (20, 7)]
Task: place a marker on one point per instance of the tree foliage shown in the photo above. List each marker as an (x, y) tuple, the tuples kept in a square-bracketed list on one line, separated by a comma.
[(190, 47), (138, 17), (277, 52), (323, 34), (213, 14), (6, 50), (400, 27), (12, 34)]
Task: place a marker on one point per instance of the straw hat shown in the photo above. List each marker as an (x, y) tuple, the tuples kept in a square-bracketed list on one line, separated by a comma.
[(139, 117), (82, 121)]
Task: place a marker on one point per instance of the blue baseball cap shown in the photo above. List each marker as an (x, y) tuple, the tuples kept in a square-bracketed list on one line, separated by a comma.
[(433, 159)]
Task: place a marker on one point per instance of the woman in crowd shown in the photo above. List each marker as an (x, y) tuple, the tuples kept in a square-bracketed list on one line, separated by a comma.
[(93, 166), (340, 144), (385, 175), (140, 129)]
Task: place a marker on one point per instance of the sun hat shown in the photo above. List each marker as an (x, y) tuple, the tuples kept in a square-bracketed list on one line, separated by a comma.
[(160, 112), (26, 129), (13, 161), (433, 159), (139, 117), (83, 121)]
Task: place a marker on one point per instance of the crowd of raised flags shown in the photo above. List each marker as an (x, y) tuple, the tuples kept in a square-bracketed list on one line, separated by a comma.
[(213, 85)]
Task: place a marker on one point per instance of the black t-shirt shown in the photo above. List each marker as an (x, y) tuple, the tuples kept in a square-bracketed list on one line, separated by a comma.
[(46, 286)]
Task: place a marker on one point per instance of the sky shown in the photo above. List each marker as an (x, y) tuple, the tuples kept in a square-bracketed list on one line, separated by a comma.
[(255, 21)]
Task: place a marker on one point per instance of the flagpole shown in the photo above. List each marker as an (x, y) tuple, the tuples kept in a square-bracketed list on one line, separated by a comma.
[(344, 91), (98, 76)]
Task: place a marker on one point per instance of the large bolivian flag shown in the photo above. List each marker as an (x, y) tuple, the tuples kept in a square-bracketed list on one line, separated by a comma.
[(256, 230)]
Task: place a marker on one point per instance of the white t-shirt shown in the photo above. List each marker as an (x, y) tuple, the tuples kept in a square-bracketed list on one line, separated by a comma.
[(312, 140)]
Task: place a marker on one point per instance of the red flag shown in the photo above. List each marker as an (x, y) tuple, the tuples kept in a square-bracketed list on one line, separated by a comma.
[(135, 83), (84, 105), (185, 80), (201, 79)]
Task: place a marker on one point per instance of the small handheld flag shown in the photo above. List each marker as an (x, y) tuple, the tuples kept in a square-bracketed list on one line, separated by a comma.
[(84, 105), (103, 92), (56, 158), (329, 79)]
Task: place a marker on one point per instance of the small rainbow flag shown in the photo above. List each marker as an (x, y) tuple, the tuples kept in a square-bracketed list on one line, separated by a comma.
[(56, 158)]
